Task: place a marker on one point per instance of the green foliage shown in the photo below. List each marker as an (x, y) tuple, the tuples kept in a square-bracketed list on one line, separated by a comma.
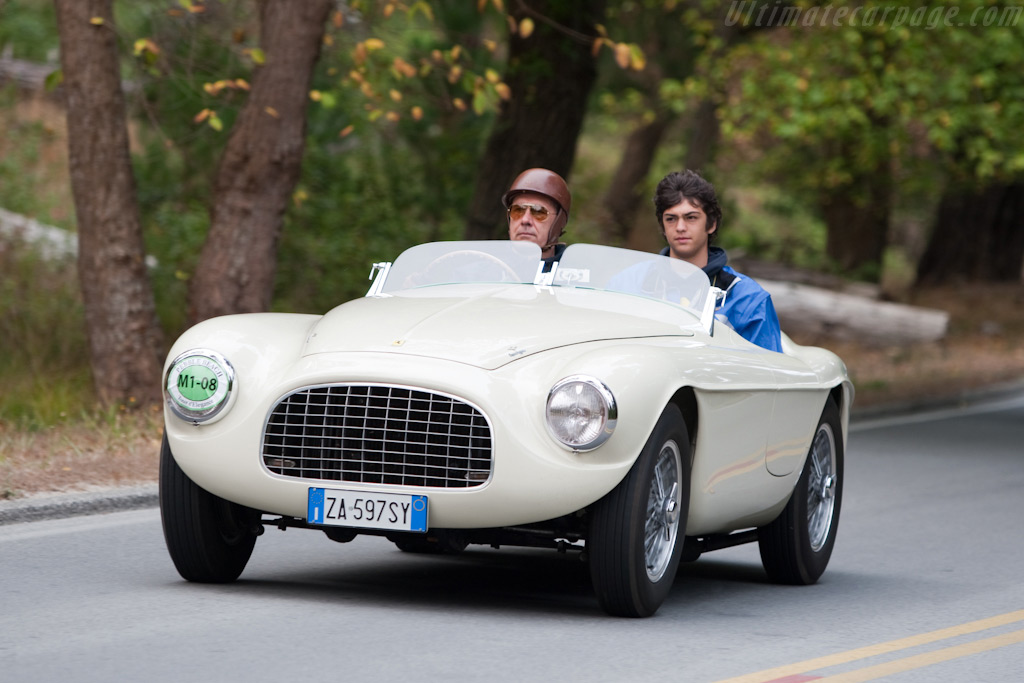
[(44, 364), (27, 29), (841, 100), (773, 226), (26, 179)]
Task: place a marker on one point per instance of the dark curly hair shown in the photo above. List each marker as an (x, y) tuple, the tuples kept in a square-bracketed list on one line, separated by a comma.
[(691, 186)]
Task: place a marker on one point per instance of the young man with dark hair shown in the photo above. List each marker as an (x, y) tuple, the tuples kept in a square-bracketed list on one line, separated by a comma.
[(689, 216)]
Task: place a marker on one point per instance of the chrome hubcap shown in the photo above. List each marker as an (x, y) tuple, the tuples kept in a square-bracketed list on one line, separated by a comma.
[(663, 510), (821, 487)]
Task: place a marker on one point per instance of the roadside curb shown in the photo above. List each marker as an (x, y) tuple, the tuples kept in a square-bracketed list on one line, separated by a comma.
[(62, 505), (962, 399)]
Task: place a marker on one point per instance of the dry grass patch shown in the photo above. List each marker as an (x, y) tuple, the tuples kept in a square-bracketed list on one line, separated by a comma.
[(80, 456)]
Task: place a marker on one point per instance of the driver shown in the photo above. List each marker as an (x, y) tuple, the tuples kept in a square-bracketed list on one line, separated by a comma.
[(689, 216), (538, 203)]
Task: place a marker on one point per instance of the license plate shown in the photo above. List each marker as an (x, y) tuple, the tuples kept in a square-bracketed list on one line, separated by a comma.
[(337, 507)]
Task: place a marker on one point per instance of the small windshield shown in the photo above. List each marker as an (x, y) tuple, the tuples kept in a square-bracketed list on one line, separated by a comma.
[(591, 266), (582, 266), (437, 263)]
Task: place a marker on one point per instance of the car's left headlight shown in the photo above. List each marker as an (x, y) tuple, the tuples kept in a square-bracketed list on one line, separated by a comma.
[(581, 412), (199, 386)]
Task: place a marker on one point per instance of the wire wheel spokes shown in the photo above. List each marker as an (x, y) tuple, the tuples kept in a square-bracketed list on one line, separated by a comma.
[(821, 487), (661, 528)]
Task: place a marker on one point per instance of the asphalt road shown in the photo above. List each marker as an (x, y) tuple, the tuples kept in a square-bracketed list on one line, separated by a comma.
[(924, 585)]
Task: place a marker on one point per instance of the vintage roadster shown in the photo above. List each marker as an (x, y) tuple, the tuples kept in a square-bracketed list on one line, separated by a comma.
[(477, 395)]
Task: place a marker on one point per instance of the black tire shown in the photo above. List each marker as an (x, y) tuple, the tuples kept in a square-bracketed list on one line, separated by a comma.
[(209, 539), (631, 579), (796, 546)]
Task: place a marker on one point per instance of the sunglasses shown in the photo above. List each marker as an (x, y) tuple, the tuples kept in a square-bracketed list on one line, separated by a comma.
[(517, 211)]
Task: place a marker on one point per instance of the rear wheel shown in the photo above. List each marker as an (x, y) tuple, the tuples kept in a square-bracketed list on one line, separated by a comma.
[(636, 531), (797, 545), (209, 539)]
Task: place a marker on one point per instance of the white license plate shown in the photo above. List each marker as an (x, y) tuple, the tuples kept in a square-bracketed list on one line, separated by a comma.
[(337, 507)]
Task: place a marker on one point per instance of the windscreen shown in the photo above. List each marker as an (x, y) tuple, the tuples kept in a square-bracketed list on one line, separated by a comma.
[(651, 276), (436, 263)]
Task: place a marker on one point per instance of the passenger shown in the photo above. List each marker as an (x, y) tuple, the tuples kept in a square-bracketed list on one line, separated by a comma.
[(689, 216), (538, 204)]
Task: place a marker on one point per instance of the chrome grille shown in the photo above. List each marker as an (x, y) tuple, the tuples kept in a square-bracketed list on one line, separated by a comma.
[(375, 434)]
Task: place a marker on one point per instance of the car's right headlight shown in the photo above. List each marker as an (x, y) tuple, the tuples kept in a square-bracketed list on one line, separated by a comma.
[(199, 386), (581, 412)]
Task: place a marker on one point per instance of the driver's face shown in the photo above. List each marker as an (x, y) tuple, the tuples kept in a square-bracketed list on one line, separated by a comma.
[(529, 227)]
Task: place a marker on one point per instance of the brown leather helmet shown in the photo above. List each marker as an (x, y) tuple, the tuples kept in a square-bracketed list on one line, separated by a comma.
[(545, 182)]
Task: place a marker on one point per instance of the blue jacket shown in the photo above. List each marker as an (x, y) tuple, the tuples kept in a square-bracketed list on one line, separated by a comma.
[(748, 307)]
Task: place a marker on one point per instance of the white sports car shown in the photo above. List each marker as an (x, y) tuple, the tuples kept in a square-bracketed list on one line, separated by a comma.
[(475, 396)]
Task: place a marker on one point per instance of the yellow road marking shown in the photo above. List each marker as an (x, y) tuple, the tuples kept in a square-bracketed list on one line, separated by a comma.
[(926, 659), (879, 649)]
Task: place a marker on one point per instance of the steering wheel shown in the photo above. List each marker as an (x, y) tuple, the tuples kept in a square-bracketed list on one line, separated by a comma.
[(470, 257)]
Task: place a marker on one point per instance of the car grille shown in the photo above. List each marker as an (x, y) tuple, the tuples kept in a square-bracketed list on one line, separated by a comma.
[(375, 434)]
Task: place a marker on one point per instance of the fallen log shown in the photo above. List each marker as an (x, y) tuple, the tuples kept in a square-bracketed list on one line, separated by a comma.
[(821, 313)]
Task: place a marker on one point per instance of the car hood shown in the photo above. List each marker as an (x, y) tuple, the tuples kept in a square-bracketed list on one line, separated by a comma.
[(489, 326)]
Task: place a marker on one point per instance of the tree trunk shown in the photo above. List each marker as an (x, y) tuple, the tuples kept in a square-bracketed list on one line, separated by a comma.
[(550, 77), (626, 191), (977, 237), (125, 340), (260, 166), (857, 222)]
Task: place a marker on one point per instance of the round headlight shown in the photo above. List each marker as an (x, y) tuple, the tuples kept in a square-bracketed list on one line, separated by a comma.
[(581, 412), (199, 386)]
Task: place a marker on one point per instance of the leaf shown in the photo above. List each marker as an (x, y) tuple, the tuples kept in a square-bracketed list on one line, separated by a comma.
[(417, 113), (492, 76), (459, 104), (215, 122), (526, 27), (637, 61), (421, 6), (395, 95), (53, 79), (145, 45), (202, 116), (622, 55), (404, 68), (346, 131), (504, 92), (258, 56), (373, 44), (96, 21), (479, 102), (272, 112), (315, 95)]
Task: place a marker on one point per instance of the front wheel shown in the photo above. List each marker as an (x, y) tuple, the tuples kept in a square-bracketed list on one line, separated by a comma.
[(796, 546), (209, 539), (636, 531)]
